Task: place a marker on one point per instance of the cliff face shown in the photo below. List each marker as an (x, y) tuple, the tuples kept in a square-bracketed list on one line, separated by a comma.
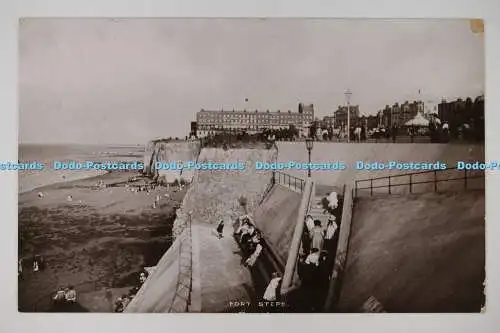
[(149, 151), (167, 152), (214, 194)]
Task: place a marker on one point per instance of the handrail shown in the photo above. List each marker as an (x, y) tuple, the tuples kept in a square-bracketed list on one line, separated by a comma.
[(268, 189), (291, 263), (341, 250), (411, 182), (286, 179)]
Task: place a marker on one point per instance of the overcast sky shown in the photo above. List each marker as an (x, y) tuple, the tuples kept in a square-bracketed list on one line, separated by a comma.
[(130, 80)]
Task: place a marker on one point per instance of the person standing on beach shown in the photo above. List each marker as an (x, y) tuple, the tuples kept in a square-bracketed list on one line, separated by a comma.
[(220, 229), (35, 264), (71, 295), (20, 268), (41, 263)]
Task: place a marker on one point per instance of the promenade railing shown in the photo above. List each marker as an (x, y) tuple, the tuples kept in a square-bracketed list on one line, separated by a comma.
[(431, 180)]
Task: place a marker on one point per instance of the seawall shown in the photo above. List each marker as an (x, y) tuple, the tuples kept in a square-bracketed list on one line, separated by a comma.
[(417, 253), (276, 218)]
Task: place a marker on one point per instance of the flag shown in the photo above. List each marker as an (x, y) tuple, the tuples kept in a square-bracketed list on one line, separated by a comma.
[(419, 91)]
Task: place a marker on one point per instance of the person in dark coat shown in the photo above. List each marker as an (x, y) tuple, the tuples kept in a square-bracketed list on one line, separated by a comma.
[(394, 132), (220, 229)]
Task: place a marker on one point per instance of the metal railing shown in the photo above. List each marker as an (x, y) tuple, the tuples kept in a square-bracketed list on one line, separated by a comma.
[(267, 190), (389, 183), (182, 298), (288, 180)]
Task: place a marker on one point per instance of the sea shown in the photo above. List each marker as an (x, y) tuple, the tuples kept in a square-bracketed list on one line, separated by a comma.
[(46, 154)]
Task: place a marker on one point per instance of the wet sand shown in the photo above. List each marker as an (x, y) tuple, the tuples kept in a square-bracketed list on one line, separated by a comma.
[(97, 242)]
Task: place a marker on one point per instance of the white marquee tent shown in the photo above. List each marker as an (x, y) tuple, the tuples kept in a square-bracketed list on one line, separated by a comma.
[(419, 120)]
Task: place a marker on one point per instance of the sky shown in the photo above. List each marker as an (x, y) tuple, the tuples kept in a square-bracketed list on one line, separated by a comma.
[(102, 81)]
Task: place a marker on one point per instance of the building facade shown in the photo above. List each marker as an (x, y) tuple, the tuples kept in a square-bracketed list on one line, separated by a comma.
[(211, 122), (400, 114), (460, 112), (369, 122), (328, 122), (340, 115)]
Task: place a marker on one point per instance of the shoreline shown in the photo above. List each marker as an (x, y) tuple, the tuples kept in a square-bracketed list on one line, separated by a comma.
[(54, 178)]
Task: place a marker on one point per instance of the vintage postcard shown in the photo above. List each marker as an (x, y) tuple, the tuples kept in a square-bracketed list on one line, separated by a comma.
[(251, 165)]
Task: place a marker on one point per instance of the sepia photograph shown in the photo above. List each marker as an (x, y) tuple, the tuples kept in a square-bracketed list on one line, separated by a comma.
[(251, 165)]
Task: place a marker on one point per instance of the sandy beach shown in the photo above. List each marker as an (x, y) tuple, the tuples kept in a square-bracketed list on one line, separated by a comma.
[(97, 242)]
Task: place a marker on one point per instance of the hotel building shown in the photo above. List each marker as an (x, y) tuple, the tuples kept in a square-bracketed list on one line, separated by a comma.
[(211, 121)]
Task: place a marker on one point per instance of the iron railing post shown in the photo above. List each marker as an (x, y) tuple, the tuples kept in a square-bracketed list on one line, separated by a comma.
[(389, 184), (435, 181), (465, 178), (371, 187), (411, 190)]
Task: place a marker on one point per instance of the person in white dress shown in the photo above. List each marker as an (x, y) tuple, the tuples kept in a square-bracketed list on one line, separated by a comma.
[(271, 291), (309, 223), (255, 255), (313, 257), (331, 227)]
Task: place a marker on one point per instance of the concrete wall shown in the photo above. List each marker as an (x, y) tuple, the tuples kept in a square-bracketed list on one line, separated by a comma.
[(276, 218), (417, 253), (157, 294), (383, 152)]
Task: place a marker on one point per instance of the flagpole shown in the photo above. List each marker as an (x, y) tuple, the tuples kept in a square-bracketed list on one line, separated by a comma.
[(423, 104)]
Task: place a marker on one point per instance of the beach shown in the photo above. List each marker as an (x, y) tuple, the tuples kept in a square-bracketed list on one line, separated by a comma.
[(98, 241)]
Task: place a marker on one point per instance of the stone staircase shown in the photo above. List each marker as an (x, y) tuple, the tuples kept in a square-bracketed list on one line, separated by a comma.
[(317, 211)]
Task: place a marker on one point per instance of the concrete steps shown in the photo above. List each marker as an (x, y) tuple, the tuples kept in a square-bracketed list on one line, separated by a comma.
[(317, 211)]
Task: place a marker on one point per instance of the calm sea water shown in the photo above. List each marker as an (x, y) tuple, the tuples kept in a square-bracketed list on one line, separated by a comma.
[(29, 180)]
